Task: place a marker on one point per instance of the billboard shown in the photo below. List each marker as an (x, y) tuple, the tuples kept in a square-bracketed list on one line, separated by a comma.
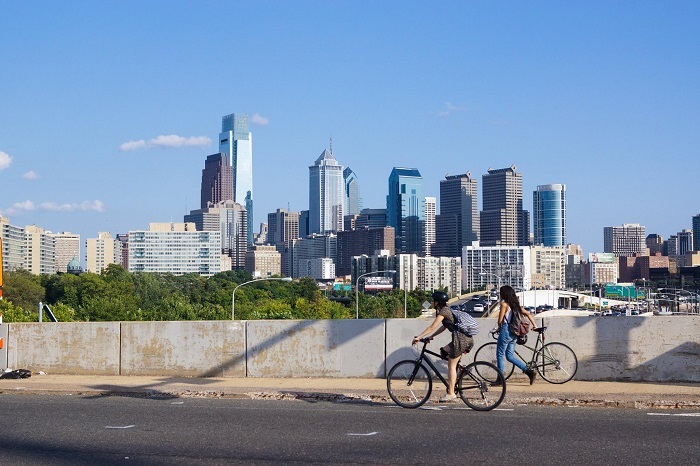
[(379, 284), (601, 257)]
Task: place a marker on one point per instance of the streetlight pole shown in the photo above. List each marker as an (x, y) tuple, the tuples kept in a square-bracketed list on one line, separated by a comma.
[(357, 289), (233, 294)]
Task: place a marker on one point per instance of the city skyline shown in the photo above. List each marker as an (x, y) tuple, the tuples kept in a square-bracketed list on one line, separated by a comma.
[(106, 123)]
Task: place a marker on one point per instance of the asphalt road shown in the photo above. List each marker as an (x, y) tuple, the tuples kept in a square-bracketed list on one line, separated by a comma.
[(75, 430)]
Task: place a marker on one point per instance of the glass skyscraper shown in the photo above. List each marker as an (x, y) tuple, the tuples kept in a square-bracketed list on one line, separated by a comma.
[(326, 195), (353, 202), (217, 180), (696, 232), (236, 141), (549, 215), (405, 210)]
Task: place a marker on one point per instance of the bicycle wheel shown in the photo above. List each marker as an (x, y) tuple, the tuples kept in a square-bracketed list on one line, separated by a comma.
[(409, 384), (556, 363), (487, 353), (481, 386)]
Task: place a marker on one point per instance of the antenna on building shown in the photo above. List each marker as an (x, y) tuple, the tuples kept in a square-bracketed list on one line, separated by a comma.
[(331, 146)]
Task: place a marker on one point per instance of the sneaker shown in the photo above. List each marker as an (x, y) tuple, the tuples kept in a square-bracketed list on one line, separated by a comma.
[(531, 375), (446, 398), (497, 383)]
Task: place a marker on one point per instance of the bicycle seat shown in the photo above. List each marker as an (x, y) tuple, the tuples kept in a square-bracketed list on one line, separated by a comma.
[(540, 329)]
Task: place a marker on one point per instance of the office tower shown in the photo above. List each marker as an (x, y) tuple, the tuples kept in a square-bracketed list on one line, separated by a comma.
[(314, 256), (549, 212), (326, 195), (685, 242), (353, 201), (430, 207), (405, 207), (503, 220), (217, 180), (14, 245), (66, 247), (176, 248), (236, 141), (361, 241), (304, 224), (457, 225), (40, 251), (123, 238), (231, 220), (282, 229), (102, 251), (371, 218), (696, 232), (655, 243), (625, 240)]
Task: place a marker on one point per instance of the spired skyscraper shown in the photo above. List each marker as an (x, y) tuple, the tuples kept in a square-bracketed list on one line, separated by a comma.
[(549, 215), (503, 220), (326, 194), (236, 141), (405, 210)]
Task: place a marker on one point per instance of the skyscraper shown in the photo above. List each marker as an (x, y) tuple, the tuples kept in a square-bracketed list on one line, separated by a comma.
[(503, 220), (67, 248), (626, 240), (458, 222), (353, 201), (326, 195), (696, 232), (549, 212), (231, 220), (102, 251), (236, 141), (405, 210), (430, 207), (217, 180)]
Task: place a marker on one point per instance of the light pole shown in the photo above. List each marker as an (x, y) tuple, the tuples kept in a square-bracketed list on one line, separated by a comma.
[(493, 274), (233, 294), (357, 289)]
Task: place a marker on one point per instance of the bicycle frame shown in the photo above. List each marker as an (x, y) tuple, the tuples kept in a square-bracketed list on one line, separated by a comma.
[(430, 363)]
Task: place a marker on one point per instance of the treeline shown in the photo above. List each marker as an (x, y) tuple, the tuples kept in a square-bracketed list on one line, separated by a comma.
[(118, 295)]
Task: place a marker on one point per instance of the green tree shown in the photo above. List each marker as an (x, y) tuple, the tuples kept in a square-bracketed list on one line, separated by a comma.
[(23, 289)]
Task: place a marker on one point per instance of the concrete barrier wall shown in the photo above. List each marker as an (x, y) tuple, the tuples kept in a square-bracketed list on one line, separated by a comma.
[(655, 349)]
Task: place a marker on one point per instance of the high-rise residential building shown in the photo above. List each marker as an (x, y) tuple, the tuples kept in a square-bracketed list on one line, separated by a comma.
[(503, 220), (283, 228), (353, 201), (67, 247), (430, 209), (217, 180), (231, 219), (625, 240), (40, 256), (326, 195), (176, 248), (263, 261), (549, 215), (14, 246), (405, 207), (361, 241), (672, 246), (696, 232), (236, 141), (496, 266), (314, 256), (102, 251), (457, 225)]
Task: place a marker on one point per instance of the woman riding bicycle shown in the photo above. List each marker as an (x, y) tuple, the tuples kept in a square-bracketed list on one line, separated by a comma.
[(507, 340), (460, 343)]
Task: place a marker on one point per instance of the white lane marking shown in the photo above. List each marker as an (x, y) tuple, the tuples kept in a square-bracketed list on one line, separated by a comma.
[(675, 414), (177, 403), (364, 435), (120, 427)]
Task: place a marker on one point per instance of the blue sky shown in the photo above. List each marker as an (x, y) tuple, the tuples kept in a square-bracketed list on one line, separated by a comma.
[(109, 109)]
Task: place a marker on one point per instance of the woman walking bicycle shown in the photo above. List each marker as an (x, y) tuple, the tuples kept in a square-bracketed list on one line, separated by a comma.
[(506, 339)]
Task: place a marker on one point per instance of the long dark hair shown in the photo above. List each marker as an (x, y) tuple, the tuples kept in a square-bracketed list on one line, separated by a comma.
[(508, 295)]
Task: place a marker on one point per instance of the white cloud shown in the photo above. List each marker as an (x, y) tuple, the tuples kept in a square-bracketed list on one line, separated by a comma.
[(259, 120), (27, 206), (30, 175), (97, 206), (5, 160), (169, 141), (451, 109)]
